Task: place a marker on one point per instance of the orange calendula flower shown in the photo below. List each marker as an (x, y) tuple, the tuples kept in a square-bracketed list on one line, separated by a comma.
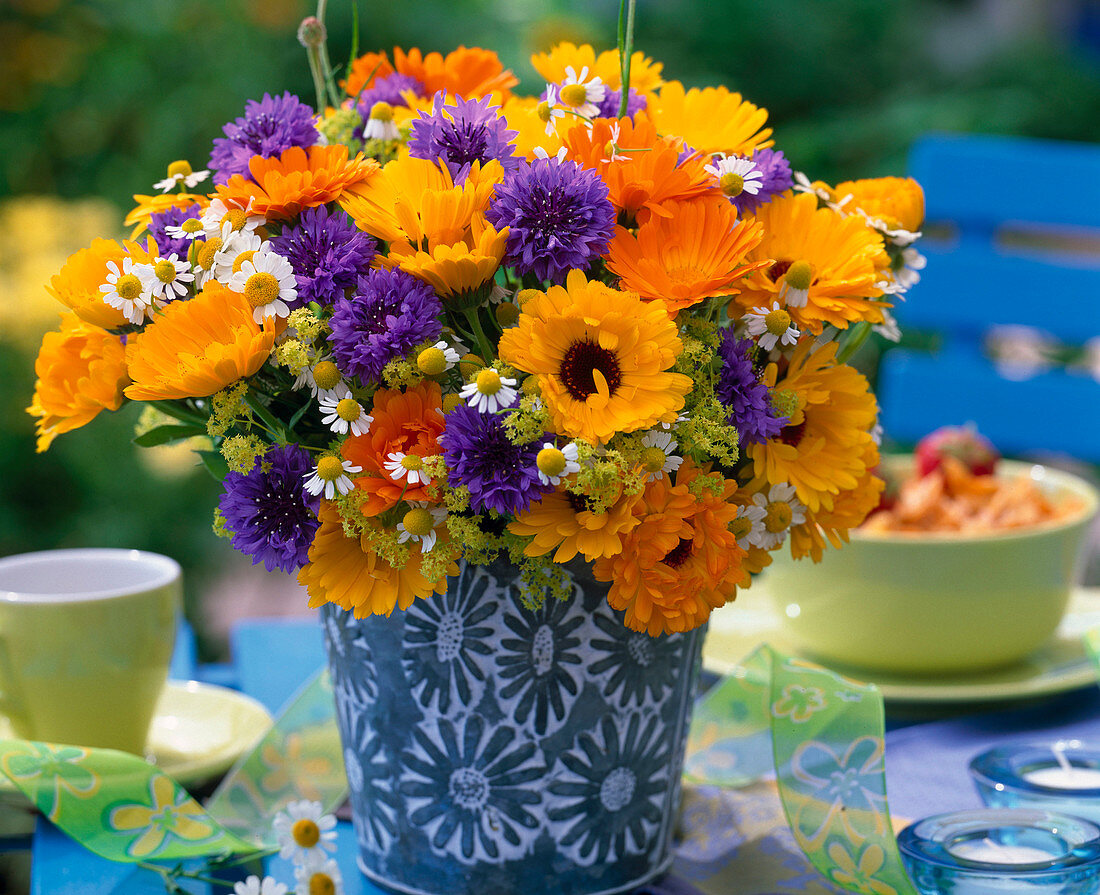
[(711, 119), (197, 347), (680, 561), (147, 206), (642, 171), (347, 572), (365, 70), (896, 202), (827, 266), (823, 449), (522, 115), (564, 521), (405, 430), (602, 358), (459, 269), (645, 74), (77, 284), (81, 370), (695, 253), (469, 72), (297, 179)]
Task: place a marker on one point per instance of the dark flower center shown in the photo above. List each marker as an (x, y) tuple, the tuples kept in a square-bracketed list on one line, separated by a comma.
[(792, 435), (464, 143), (679, 554), (579, 365), (778, 269), (578, 502)]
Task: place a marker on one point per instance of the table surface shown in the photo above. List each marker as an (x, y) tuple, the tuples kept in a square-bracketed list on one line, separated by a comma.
[(926, 755)]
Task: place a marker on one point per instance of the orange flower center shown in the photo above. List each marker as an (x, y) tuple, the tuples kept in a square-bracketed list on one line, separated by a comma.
[(777, 321), (165, 270), (778, 517), (348, 410), (583, 362), (653, 459), (732, 184), (239, 261), (573, 95), (128, 287), (326, 375), (321, 884), (261, 289), (684, 274), (305, 832), (329, 469), (679, 554), (210, 248)]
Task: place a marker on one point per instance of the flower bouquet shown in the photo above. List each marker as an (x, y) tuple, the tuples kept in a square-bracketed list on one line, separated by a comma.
[(596, 337)]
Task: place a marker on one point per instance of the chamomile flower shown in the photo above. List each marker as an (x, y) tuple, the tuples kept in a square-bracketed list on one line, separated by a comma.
[(581, 94), (380, 124), (489, 392), (331, 476), (795, 289), (316, 877), (180, 172), (304, 832), (237, 246), (737, 175), (323, 380), (128, 290), (803, 184), (550, 112), (190, 229), (256, 886), (167, 278), (555, 463), (911, 262), (437, 359), (889, 328), (782, 510), (542, 153), (218, 214), (267, 282), (407, 466), (419, 525), (748, 527), (657, 456), (771, 326), (344, 414)]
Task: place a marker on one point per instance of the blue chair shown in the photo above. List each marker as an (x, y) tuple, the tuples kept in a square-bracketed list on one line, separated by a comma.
[(1012, 238)]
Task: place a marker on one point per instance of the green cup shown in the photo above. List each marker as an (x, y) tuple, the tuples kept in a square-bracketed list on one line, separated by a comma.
[(86, 637)]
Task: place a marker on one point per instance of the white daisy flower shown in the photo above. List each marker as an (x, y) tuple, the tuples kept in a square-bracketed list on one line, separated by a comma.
[(256, 886), (771, 326), (581, 94), (218, 214), (911, 262), (549, 111), (191, 229), (803, 184), (555, 463), (657, 458), (737, 175), (749, 525), (318, 876), (237, 247), (304, 832), (267, 281), (127, 289), (345, 414), (782, 510), (380, 124), (167, 278), (323, 379), (889, 328), (437, 359), (419, 524), (180, 172), (407, 466), (331, 476), (681, 418), (489, 392)]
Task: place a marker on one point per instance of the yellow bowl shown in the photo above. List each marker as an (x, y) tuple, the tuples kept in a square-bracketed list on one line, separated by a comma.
[(937, 603)]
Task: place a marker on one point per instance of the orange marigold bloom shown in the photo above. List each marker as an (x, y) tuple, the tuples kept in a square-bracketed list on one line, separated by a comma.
[(846, 258), (408, 423), (347, 572), (680, 561), (680, 260), (77, 284), (81, 370), (365, 70), (197, 347), (711, 119), (521, 113), (645, 74), (297, 179), (563, 520), (147, 206), (470, 72), (639, 182), (898, 202), (455, 270)]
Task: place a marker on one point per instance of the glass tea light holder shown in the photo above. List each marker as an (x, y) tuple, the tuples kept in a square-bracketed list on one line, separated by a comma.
[(993, 851), (1061, 776)]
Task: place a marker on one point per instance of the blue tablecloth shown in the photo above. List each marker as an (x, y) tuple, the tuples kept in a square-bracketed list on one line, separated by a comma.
[(926, 761)]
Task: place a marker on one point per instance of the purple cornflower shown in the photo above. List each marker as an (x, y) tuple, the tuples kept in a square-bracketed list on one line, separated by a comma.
[(267, 128), (609, 105), (390, 313), (559, 214), (501, 476), (172, 217), (272, 517), (388, 90), (739, 388), (328, 254), (459, 135), (776, 171)]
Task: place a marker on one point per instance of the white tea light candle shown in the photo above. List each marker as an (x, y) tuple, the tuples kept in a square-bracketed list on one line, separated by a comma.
[(1060, 776), (989, 851)]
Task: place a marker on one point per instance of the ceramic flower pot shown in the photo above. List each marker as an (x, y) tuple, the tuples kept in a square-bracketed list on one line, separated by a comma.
[(492, 748)]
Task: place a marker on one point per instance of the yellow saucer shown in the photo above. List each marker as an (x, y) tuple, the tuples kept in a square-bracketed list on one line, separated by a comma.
[(199, 731)]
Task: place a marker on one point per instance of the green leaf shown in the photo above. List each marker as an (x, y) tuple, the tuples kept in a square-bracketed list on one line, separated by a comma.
[(167, 434), (298, 414), (215, 464)]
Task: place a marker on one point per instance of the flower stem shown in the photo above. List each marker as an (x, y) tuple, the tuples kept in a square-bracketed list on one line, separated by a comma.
[(174, 410), (856, 337), (326, 65), (482, 340), (626, 48), (270, 423)]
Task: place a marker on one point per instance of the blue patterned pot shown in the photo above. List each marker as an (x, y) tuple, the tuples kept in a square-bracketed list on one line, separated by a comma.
[(491, 748)]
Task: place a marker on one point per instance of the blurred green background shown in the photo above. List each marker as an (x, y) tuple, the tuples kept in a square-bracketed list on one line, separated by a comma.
[(97, 96)]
